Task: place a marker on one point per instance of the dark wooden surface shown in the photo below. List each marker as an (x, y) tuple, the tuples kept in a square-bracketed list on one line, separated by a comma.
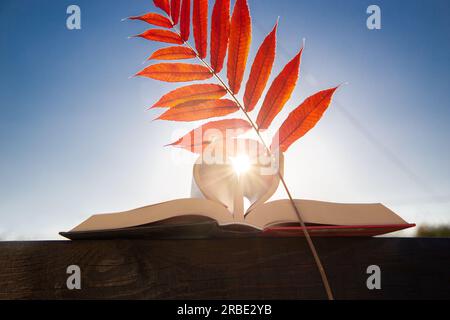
[(279, 268)]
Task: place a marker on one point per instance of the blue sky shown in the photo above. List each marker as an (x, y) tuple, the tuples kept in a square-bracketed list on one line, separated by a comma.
[(76, 139)]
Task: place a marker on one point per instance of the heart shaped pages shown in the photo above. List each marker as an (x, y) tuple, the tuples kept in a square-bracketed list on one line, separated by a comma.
[(215, 176)]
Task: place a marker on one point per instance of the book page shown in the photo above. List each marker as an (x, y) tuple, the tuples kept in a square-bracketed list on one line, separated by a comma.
[(319, 212), (155, 213)]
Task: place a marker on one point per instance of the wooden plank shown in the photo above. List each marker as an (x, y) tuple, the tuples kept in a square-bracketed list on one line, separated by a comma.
[(252, 268)]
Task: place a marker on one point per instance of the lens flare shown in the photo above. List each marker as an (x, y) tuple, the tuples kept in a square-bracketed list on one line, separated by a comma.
[(241, 164)]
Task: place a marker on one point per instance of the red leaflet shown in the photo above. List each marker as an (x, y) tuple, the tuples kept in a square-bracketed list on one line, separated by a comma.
[(189, 93), (202, 101), (163, 5), (239, 45), (196, 140), (279, 92), (260, 72), (176, 72), (161, 35), (173, 53), (175, 6), (199, 110), (220, 32), (185, 19), (302, 119), (200, 23), (154, 19)]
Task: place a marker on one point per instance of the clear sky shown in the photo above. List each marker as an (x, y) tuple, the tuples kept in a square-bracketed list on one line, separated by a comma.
[(76, 139)]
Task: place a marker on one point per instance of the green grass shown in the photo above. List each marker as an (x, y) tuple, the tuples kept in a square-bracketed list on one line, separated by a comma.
[(441, 231)]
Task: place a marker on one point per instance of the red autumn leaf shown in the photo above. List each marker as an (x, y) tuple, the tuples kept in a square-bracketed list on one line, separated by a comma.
[(239, 44), (161, 35), (173, 53), (260, 71), (199, 110), (190, 93), (200, 24), (154, 19), (220, 32), (163, 5), (197, 139), (279, 92), (302, 119), (194, 147), (185, 19), (175, 6), (176, 72)]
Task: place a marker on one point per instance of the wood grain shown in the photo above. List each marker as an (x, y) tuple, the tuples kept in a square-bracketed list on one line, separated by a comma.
[(251, 268)]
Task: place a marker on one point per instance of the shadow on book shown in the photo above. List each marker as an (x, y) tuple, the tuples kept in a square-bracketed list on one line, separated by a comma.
[(216, 210)]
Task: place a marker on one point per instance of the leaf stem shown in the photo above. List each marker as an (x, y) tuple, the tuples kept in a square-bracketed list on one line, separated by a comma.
[(311, 245)]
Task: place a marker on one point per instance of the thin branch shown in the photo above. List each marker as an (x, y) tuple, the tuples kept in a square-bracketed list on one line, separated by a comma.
[(311, 245)]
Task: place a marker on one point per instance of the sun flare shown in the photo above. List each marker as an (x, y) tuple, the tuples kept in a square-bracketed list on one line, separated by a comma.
[(241, 164)]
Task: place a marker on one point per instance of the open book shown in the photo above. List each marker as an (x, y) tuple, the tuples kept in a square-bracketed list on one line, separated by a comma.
[(217, 210)]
